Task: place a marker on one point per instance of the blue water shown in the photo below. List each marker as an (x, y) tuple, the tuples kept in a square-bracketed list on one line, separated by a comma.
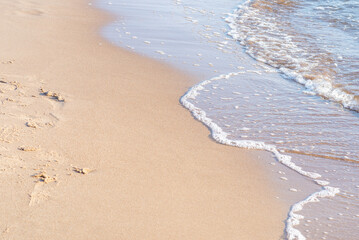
[(315, 43)]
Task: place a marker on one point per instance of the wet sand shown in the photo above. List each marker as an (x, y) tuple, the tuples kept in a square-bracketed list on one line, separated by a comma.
[(94, 143)]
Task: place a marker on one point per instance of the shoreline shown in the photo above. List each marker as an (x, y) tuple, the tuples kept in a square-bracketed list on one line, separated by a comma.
[(212, 52), (156, 173)]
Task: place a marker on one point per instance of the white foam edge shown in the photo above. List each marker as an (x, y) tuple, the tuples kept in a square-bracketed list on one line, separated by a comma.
[(321, 87), (294, 218), (220, 136)]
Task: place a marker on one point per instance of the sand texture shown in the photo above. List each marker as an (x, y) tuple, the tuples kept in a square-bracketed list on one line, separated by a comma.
[(95, 145)]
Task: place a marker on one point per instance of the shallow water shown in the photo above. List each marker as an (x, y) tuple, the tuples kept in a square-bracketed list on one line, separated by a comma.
[(316, 43), (292, 95)]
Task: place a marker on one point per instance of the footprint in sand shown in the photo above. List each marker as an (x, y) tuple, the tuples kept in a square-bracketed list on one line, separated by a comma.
[(9, 134), (8, 85), (39, 194), (27, 111), (20, 101)]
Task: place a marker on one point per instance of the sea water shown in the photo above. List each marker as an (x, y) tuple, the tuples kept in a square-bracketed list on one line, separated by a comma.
[(278, 75)]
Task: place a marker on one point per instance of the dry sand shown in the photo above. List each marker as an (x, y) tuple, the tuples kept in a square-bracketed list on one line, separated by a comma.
[(95, 145)]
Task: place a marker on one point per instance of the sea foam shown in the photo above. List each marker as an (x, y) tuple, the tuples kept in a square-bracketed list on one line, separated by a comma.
[(221, 136), (289, 59)]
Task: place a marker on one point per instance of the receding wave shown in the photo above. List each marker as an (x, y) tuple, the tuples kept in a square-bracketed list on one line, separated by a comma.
[(221, 136), (271, 35)]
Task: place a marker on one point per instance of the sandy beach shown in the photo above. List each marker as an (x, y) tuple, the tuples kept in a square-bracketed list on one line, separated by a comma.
[(94, 143)]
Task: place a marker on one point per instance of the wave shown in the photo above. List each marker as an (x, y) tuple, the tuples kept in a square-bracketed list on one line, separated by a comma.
[(261, 27), (221, 136)]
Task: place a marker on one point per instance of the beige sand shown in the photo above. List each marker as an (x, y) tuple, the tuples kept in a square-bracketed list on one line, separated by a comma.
[(95, 145)]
